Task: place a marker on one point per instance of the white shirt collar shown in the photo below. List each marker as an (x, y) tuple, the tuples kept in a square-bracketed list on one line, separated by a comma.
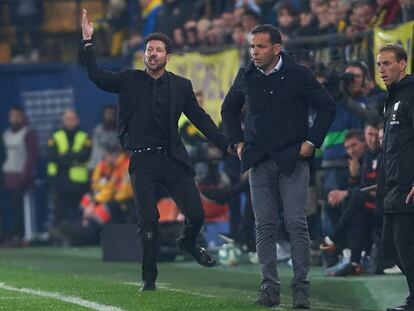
[(277, 67)]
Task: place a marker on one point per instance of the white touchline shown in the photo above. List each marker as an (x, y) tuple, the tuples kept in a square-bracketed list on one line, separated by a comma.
[(71, 299), (167, 287)]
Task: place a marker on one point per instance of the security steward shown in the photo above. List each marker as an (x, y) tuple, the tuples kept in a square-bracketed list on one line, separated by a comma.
[(69, 149)]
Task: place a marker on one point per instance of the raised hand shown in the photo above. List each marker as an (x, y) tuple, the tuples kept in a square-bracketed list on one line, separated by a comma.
[(87, 28), (353, 165)]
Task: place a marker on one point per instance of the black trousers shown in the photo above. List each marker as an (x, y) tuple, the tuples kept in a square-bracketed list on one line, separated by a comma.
[(148, 173), (14, 209), (357, 223), (66, 205), (398, 242), (361, 231)]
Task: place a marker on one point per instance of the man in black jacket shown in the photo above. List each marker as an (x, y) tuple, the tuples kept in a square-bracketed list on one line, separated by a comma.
[(276, 145), (398, 164), (150, 104)]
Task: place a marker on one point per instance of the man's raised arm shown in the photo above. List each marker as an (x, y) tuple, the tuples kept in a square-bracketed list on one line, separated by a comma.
[(104, 79)]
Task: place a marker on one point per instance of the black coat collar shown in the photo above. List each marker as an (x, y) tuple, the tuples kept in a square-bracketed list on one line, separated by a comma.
[(289, 63)]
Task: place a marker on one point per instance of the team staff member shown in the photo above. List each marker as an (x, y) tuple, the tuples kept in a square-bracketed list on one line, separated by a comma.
[(275, 145), (69, 149), (398, 164), (150, 104)]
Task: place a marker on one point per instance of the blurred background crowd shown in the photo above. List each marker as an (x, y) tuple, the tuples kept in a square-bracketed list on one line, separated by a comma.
[(69, 179), (44, 30)]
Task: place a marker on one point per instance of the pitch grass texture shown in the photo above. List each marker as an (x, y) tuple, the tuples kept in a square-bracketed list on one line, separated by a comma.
[(79, 273)]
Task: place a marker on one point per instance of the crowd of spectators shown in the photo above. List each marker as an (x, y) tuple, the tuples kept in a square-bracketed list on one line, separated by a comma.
[(29, 27)]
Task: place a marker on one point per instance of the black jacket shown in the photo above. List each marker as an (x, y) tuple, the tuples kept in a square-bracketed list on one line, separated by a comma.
[(127, 84), (398, 157), (369, 175), (276, 121)]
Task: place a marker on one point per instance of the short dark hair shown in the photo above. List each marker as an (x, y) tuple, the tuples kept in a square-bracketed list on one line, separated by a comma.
[(251, 13), (159, 36), (274, 33), (286, 6), (374, 122), (17, 108), (355, 133), (397, 49)]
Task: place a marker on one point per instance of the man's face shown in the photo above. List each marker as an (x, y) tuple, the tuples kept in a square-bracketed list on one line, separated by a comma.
[(354, 148), (109, 115), (390, 70), (371, 137), (284, 18), (322, 13), (381, 136), (356, 86), (70, 120), (16, 119), (111, 157), (264, 53), (363, 15), (155, 56), (248, 23)]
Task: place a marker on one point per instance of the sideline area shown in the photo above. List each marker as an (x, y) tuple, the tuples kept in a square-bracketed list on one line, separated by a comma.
[(79, 275)]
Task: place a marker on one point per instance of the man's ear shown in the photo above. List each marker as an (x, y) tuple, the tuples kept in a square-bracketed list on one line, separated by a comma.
[(403, 64), (277, 48), (167, 58)]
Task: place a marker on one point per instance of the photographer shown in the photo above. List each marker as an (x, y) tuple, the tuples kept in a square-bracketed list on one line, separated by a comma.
[(349, 92), (362, 95)]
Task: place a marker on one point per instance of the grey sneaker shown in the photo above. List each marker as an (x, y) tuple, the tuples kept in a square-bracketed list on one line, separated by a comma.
[(268, 297), (301, 299)]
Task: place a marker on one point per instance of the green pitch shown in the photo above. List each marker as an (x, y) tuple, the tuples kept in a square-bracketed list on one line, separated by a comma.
[(77, 279)]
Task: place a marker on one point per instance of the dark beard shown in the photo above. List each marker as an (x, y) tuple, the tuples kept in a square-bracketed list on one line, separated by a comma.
[(157, 68)]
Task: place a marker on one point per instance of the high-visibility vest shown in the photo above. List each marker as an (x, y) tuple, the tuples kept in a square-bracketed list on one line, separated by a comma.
[(77, 173)]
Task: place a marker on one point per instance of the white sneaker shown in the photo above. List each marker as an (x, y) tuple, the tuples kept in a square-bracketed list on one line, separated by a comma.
[(393, 270), (253, 257)]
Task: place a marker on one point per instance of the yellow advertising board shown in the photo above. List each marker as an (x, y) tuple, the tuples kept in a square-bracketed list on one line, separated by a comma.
[(402, 35)]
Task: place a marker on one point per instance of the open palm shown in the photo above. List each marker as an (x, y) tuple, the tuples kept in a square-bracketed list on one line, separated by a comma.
[(87, 28)]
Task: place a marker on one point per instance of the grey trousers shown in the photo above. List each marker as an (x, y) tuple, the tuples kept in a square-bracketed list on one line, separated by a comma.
[(272, 194)]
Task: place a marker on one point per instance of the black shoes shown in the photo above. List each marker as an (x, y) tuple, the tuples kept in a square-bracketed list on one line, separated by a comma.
[(199, 253), (148, 286), (301, 299), (268, 297)]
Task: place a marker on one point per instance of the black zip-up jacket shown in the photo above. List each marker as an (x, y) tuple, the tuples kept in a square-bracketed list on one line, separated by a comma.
[(277, 110), (398, 157)]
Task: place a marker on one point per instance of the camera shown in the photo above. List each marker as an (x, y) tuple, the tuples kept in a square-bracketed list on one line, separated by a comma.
[(337, 83), (337, 77), (347, 77)]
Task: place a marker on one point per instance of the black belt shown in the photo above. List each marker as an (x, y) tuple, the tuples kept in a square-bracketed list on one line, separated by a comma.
[(152, 150)]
